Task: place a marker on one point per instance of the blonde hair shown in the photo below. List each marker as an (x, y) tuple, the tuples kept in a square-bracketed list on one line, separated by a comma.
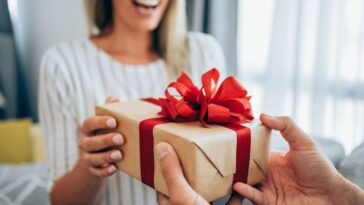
[(169, 38)]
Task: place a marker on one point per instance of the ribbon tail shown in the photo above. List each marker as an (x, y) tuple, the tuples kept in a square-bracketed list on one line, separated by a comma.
[(242, 152), (146, 141)]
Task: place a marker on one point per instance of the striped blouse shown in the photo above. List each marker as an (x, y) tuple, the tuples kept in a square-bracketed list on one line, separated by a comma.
[(75, 76)]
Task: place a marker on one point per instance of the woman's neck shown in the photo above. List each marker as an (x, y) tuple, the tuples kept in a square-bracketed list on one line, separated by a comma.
[(127, 46), (128, 41)]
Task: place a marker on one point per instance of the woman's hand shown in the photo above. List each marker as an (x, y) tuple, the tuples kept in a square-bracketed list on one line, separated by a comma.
[(303, 175), (96, 151), (84, 183)]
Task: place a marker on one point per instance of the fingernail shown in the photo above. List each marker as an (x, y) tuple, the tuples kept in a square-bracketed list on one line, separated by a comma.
[(111, 122), (117, 139), (111, 169), (162, 149), (116, 155)]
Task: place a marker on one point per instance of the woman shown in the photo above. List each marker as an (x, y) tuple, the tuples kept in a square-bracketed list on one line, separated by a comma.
[(140, 46)]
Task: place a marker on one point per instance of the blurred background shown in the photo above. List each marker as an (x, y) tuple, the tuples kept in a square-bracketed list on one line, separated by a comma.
[(302, 58)]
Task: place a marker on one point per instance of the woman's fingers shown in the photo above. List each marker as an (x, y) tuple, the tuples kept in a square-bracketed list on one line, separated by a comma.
[(99, 142), (94, 123), (295, 137), (250, 193), (94, 149), (111, 99), (101, 158), (104, 171)]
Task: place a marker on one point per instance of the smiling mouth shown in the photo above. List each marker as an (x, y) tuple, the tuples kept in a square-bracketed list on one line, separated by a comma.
[(147, 4)]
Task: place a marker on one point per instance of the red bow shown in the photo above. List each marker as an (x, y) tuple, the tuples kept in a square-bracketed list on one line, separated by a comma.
[(228, 103)]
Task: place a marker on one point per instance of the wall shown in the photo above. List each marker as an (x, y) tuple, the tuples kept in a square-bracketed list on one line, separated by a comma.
[(39, 24)]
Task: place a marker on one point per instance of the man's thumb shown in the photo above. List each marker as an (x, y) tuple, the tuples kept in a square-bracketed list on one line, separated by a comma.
[(171, 168)]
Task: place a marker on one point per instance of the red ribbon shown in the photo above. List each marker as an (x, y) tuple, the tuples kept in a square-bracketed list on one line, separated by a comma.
[(227, 105), (242, 152), (146, 148), (224, 104)]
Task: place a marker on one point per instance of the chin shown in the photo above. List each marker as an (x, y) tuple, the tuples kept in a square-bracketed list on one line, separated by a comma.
[(141, 15), (145, 26)]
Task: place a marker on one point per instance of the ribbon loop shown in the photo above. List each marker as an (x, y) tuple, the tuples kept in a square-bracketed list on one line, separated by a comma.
[(224, 104)]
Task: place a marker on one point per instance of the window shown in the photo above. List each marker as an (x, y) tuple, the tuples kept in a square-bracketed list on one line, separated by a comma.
[(305, 59)]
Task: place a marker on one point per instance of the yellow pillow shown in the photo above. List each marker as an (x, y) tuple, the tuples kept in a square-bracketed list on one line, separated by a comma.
[(37, 149), (15, 142)]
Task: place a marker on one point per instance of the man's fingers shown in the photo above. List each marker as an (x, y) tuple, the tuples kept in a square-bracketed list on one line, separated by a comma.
[(235, 199), (249, 192), (171, 168), (179, 190), (295, 137), (111, 100), (162, 200)]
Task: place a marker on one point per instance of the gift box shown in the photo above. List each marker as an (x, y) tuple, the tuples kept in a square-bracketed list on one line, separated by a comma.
[(215, 150)]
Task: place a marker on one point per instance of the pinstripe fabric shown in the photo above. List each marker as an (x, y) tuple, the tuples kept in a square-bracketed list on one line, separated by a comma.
[(75, 76)]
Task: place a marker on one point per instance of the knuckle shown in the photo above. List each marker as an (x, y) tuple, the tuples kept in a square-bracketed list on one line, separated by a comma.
[(101, 122), (105, 173), (100, 172), (253, 195), (169, 172), (92, 145), (107, 140), (287, 119), (166, 169), (106, 157), (86, 158), (95, 172), (80, 143), (110, 99), (86, 124)]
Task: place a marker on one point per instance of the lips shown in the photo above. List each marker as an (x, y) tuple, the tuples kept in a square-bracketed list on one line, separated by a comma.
[(147, 4)]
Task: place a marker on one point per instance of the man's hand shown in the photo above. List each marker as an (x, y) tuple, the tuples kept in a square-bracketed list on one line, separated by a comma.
[(179, 190), (303, 175)]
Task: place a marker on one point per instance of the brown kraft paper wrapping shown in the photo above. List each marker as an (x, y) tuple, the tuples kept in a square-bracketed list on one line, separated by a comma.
[(207, 155)]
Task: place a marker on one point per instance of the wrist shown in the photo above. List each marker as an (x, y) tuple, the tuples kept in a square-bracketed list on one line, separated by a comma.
[(79, 186), (346, 192), (84, 169), (340, 190)]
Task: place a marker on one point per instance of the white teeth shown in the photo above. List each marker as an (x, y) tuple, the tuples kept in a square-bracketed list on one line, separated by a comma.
[(148, 2)]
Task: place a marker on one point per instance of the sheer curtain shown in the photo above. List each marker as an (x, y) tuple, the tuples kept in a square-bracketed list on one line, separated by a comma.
[(305, 59)]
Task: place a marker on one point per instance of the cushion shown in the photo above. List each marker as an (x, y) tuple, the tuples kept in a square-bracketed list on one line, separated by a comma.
[(15, 142), (24, 184), (37, 148), (352, 167)]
